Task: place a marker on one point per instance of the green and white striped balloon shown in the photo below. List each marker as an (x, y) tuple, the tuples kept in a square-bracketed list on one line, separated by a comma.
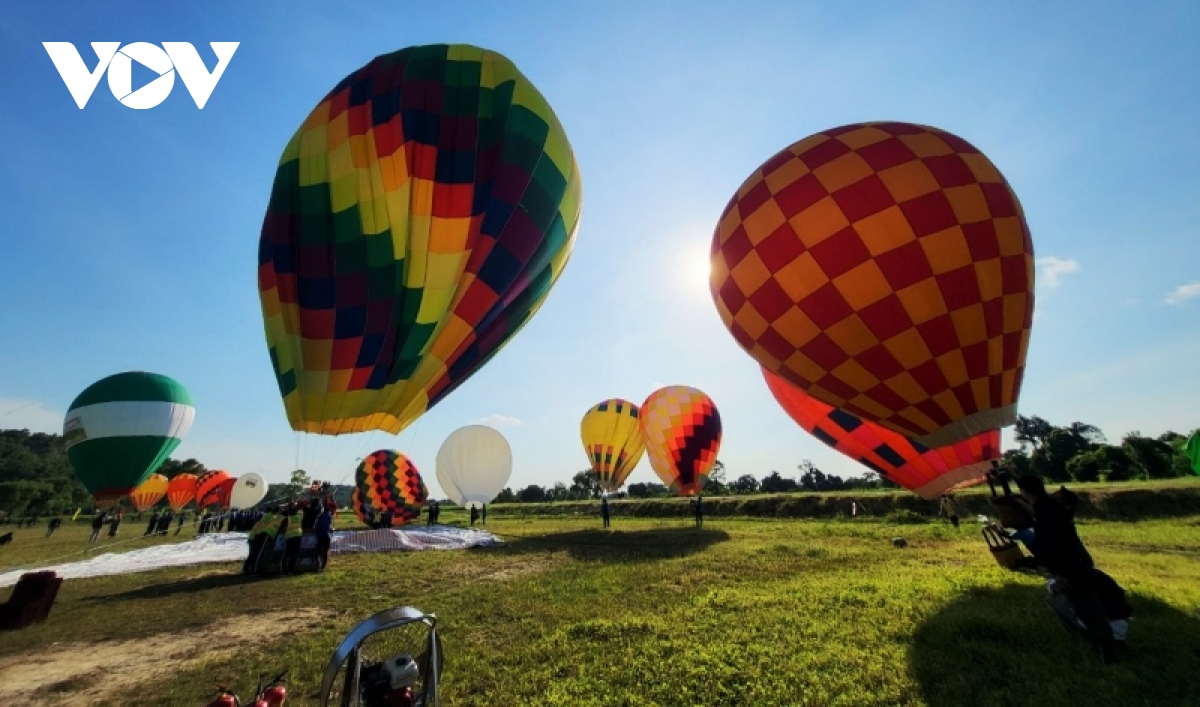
[(120, 429)]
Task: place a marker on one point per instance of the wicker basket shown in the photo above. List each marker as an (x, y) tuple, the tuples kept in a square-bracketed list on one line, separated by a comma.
[(1006, 552)]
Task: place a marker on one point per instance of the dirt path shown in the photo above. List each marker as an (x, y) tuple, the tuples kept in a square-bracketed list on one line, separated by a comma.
[(86, 673)]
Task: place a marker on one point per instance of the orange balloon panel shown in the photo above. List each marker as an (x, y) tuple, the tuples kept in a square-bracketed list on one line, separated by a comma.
[(181, 490), (887, 270), (149, 492), (208, 487), (928, 472), (683, 435)]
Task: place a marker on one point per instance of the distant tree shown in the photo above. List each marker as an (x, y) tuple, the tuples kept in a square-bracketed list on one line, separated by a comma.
[(1032, 431), (774, 483), (644, 490), (1152, 456), (746, 483), (506, 496), (714, 485), (1106, 462), (173, 467), (584, 485), (1017, 462), (1089, 432), (531, 494), (1050, 459)]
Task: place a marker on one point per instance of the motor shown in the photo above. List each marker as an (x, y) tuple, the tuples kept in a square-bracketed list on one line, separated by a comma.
[(273, 694)]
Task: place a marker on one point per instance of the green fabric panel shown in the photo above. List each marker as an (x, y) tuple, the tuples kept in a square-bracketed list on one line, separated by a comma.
[(119, 462), (134, 385)]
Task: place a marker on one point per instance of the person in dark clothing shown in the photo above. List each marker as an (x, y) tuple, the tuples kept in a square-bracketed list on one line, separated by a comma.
[(179, 526), (432, 513), (484, 514), (324, 530), (164, 522), (604, 510), (54, 523), (1057, 547), (947, 507), (474, 514), (115, 524), (152, 526), (97, 525), (308, 520), (699, 511), (385, 520)]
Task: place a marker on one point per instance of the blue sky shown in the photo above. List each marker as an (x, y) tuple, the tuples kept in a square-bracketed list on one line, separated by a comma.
[(129, 237)]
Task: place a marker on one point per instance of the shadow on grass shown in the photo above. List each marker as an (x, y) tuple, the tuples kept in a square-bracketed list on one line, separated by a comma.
[(617, 545), (1007, 647), (182, 586)]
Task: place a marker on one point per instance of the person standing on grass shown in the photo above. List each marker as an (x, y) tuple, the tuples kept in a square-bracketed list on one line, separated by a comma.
[(97, 525), (1098, 601), (474, 514), (699, 511), (182, 517), (115, 524), (604, 510), (324, 530), (153, 525), (485, 514), (54, 523)]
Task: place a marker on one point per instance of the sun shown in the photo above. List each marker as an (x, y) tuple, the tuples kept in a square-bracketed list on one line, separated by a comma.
[(694, 270)]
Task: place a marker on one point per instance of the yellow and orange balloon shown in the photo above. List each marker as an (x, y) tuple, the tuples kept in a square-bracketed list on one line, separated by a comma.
[(885, 269), (149, 492), (613, 440)]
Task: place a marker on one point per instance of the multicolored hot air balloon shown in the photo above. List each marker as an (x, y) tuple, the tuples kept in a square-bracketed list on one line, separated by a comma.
[(473, 465), (150, 492), (418, 219), (927, 472), (181, 490), (613, 440), (122, 428), (885, 269), (683, 435), (208, 488), (387, 480)]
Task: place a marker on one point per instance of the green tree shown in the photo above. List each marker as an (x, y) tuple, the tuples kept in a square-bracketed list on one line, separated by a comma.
[(744, 484), (1031, 431), (714, 485), (1152, 456), (584, 485), (531, 494)]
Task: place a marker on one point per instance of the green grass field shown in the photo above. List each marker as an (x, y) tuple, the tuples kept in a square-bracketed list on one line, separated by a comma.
[(653, 612)]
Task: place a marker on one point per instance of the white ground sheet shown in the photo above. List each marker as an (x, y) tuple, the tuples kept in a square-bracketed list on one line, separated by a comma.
[(232, 547)]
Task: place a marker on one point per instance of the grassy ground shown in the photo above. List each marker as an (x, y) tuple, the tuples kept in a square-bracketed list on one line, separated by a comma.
[(654, 612)]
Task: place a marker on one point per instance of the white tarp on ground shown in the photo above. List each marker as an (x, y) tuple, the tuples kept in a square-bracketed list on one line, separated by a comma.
[(232, 547)]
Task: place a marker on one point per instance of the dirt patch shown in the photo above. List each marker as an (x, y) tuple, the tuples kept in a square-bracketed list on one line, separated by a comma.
[(86, 673)]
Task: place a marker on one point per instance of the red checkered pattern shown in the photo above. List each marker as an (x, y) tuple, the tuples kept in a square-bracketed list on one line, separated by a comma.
[(887, 270)]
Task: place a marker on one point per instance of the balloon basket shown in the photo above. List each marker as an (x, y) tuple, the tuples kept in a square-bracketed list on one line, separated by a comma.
[(358, 671)]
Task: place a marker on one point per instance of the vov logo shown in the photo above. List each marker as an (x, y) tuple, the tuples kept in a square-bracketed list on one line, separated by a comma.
[(165, 61)]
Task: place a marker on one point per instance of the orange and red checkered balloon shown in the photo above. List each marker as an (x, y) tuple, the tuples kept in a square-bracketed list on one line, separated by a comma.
[(208, 488), (683, 435), (388, 480), (927, 472), (887, 270)]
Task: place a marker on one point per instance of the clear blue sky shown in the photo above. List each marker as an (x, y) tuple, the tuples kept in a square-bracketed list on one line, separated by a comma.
[(129, 237)]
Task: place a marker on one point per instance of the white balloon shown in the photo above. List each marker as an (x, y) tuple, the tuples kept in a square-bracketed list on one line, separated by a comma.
[(248, 490), (473, 465)]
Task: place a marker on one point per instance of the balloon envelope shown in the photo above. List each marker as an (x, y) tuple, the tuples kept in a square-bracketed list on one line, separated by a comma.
[(473, 465), (208, 488), (1192, 449), (150, 492), (388, 480), (613, 440), (927, 472), (181, 490), (248, 491), (886, 269), (418, 219), (121, 428), (683, 435)]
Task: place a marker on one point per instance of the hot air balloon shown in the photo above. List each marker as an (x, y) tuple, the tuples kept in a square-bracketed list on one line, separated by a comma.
[(613, 440), (927, 472), (387, 480), (473, 465), (248, 491), (1192, 449), (150, 492), (123, 427), (208, 488), (418, 219), (683, 435), (181, 490), (886, 269)]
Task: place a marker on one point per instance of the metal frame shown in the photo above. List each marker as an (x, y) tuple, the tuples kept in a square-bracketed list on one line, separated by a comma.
[(348, 653)]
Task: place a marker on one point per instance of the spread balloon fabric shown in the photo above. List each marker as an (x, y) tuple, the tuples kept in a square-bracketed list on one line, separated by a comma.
[(418, 219), (886, 269), (388, 480), (683, 435), (927, 472), (613, 440), (122, 428)]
